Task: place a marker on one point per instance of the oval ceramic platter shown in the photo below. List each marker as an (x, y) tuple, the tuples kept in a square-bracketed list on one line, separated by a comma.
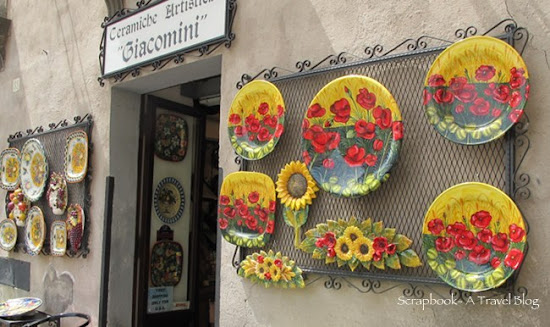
[(57, 194), (9, 169), (351, 136), (476, 90), (8, 234), (20, 306), (58, 238), (474, 237), (247, 209), (256, 119), (166, 263), (34, 169), (35, 230), (76, 156), (171, 137), (169, 200)]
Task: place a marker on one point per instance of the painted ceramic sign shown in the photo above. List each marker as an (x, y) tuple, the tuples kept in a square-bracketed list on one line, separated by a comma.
[(76, 156), (17, 207), (271, 269), (58, 238), (169, 200), (476, 90), (166, 263), (35, 231), (57, 194), (9, 169), (351, 134), (364, 243), (34, 169), (247, 209), (256, 119), (20, 306), (8, 234), (75, 225), (474, 237), (171, 137)]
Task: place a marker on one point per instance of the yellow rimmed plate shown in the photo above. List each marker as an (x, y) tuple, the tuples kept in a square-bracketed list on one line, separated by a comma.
[(9, 169), (76, 156)]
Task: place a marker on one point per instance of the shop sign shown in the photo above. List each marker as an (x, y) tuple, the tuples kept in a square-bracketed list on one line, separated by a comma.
[(160, 299)]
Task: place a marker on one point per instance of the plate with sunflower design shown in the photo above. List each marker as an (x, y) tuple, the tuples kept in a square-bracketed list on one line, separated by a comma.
[(256, 119), (474, 236), (476, 90), (35, 230), (8, 234), (34, 169), (247, 209), (9, 169), (76, 156), (351, 135)]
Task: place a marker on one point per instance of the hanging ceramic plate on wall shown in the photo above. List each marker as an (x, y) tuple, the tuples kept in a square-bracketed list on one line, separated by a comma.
[(58, 238), (20, 306), (75, 223), (247, 209), (171, 137), (35, 231), (34, 169), (474, 237), (57, 194), (8, 234), (351, 134), (9, 169), (166, 263), (76, 156), (256, 119), (169, 200), (476, 90), (17, 207)]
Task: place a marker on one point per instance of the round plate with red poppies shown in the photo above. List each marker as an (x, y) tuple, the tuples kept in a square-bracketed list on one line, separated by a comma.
[(476, 90), (351, 134), (256, 119), (474, 237)]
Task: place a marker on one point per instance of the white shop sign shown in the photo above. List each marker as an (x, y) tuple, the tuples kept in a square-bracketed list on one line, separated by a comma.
[(160, 299), (162, 29)]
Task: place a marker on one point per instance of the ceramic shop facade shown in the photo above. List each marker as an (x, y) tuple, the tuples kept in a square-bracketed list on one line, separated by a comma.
[(55, 77)]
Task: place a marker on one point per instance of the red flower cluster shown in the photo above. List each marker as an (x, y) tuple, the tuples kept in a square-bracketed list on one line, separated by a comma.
[(328, 241), (380, 245), (321, 140), (246, 212), (262, 128)]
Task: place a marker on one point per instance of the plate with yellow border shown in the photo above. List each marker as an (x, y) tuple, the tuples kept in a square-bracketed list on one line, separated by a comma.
[(9, 169), (76, 156)]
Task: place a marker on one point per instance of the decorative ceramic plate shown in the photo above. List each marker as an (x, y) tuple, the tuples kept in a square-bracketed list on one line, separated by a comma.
[(75, 225), (169, 200), (17, 206), (171, 137), (34, 169), (58, 238), (476, 90), (166, 263), (474, 236), (20, 306), (271, 269), (9, 169), (8, 234), (76, 156), (256, 119), (57, 194), (247, 209), (35, 230), (351, 136)]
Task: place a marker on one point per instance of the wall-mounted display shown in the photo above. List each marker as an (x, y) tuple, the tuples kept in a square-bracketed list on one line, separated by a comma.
[(57, 194), (271, 269), (256, 119), (166, 263), (171, 137), (34, 169), (9, 169), (169, 200), (351, 134), (476, 90), (76, 156), (17, 207), (75, 225), (8, 234), (355, 243), (247, 206), (35, 231), (58, 238), (474, 236), (19, 306)]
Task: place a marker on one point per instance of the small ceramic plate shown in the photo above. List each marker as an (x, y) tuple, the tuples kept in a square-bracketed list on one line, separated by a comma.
[(166, 263), (476, 90), (247, 209), (8, 234), (9, 169), (169, 200), (75, 224), (474, 237), (35, 230), (256, 119), (58, 238), (20, 306), (76, 156), (34, 169), (171, 137)]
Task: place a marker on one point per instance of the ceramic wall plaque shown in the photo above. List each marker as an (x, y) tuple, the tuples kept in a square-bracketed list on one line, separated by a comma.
[(58, 238), (76, 156), (34, 169), (169, 200), (75, 225), (9, 169), (57, 194), (17, 207), (8, 234), (166, 263), (271, 269), (171, 137), (35, 231)]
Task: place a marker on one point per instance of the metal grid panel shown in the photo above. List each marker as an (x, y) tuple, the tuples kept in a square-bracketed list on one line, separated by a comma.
[(428, 164)]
